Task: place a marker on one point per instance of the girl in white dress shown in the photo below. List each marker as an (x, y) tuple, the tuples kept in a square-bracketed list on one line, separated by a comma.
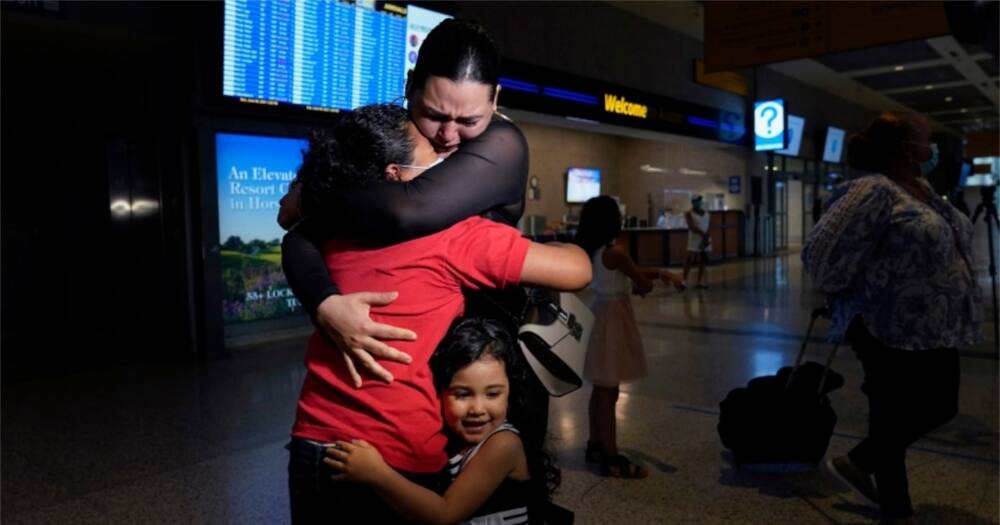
[(615, 353)]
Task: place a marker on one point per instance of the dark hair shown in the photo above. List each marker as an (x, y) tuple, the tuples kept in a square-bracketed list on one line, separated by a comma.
[(600, 223), (874, 148), (472, 339), (354, 153), (458, 50)]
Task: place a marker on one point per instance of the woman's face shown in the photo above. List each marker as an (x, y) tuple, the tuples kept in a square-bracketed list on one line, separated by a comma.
[(448, 112)]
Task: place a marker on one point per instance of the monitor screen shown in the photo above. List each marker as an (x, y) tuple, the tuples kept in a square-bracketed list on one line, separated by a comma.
[(582, 184), (253, 172), (325, 56), (794, 133), (834, 147)]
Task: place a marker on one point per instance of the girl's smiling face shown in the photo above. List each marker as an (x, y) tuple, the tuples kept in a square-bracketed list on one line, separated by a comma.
[(475, 403)]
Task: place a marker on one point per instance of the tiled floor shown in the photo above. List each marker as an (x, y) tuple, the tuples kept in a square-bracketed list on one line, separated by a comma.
[(202, 443)]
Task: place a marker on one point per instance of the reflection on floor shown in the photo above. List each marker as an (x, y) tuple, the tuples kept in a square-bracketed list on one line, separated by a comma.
[(188, 443)]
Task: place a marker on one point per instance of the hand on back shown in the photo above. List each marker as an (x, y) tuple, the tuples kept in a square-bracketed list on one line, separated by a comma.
[(346, 321)]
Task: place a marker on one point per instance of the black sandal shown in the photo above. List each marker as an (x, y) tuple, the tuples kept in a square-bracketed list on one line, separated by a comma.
[(621, 467)]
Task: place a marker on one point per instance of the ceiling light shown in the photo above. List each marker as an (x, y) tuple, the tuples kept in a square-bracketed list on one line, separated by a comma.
[(964, 110), (686, 171), (651, 169), (947, 99), (899, 68), (928, 86)]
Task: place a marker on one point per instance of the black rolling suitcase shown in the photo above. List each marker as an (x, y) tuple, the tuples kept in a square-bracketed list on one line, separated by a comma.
[(783, 418)]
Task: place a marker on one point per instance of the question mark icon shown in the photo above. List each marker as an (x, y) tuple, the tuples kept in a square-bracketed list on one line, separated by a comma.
[(769, 115)]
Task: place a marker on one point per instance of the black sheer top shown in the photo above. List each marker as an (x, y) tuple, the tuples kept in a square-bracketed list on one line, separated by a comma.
[(485, 176)]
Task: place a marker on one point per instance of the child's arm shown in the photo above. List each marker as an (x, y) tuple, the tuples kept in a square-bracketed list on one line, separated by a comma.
[(666, 276), (556, 265), (673, 279), (615, 258), (360, 462)]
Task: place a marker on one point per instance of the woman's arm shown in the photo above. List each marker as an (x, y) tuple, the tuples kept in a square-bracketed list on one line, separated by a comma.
[(841, 243), (359, 461), (488, 173), (305, 269)]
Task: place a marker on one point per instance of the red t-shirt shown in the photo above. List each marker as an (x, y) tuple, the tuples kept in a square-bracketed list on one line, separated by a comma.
[(403, 419)]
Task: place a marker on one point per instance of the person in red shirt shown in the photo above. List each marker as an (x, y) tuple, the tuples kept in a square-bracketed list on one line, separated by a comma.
[(402, 419)]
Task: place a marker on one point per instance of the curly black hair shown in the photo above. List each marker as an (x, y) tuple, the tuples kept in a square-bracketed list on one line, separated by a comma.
[(467, 341), (354, 153)]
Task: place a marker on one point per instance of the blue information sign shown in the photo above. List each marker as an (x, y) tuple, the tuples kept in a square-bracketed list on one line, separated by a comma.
[(735, 184), (769, 125)]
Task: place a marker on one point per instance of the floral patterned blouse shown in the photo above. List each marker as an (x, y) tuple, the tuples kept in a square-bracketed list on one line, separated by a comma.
[(902, 265)]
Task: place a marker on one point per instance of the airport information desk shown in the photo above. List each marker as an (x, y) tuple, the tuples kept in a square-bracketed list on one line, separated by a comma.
[(668, 247)]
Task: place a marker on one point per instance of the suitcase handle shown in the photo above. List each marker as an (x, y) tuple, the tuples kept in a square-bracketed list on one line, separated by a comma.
[(824, 312)]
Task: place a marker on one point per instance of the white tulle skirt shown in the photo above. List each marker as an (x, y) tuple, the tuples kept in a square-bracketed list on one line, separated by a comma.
[(615, 354)]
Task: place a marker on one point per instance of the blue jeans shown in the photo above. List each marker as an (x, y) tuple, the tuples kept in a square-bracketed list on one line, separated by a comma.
[(315, 498)]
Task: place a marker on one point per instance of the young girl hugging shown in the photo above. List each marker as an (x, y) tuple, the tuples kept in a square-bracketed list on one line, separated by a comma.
[(479, 373), (615, 353)]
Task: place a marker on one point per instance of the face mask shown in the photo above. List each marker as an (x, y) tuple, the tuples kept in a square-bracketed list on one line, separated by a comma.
[(927, 166)]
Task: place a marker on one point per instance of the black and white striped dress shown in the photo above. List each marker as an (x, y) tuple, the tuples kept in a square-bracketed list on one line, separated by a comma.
[(509, 503)]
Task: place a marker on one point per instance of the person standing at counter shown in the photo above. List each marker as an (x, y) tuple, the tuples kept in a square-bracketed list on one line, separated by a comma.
[(699, 242), (663, 221)]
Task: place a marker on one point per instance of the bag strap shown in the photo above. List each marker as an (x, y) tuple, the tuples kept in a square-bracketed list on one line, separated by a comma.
[(824, 312)]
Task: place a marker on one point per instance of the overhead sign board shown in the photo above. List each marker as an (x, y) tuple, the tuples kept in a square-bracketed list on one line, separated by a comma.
[(769, 125), (743, 34), (730, 81), (586, 101)]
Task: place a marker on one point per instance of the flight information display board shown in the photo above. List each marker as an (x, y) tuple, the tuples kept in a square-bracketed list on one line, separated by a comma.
[(326, 55)]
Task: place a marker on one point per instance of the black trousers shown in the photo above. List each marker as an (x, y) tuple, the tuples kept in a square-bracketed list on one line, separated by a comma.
[(910, 393), (316, 499)]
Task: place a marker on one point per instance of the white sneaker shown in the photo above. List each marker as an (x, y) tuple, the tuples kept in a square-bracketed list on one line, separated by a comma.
[(854, 478)]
